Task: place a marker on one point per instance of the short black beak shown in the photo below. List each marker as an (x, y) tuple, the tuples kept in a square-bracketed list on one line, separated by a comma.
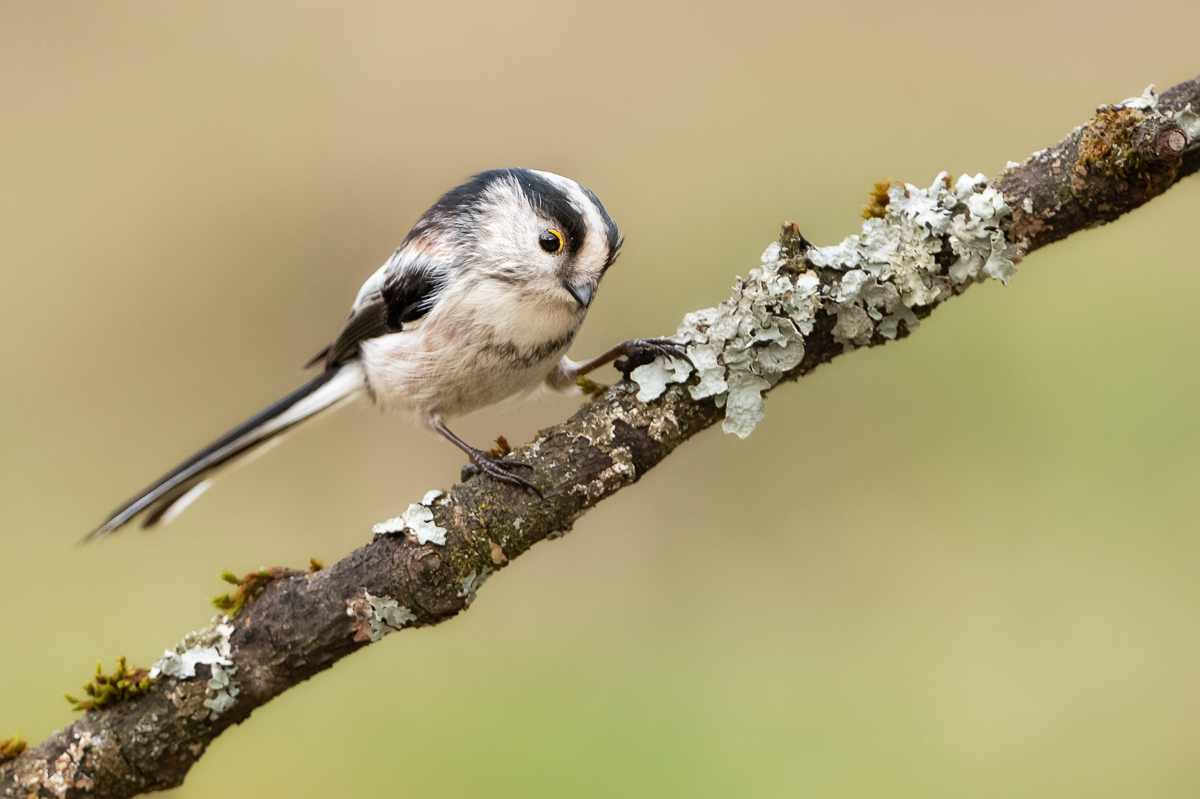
[(582, 292)]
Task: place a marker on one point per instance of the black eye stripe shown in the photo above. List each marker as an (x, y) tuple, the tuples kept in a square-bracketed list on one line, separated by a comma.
[(612, 235), (461, 205), (552, 202)]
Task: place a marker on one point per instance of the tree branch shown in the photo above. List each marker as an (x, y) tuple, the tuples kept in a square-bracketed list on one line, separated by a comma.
[(804, 307)]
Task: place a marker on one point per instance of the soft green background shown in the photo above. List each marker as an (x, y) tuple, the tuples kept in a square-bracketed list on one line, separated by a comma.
[(963, 565)]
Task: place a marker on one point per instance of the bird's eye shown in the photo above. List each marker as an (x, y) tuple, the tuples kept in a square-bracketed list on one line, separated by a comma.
[(551, 241)]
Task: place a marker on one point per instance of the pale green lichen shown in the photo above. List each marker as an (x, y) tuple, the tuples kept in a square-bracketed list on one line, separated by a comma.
[(653, 378), (1189, 120), (377, 616), (744, 346), (208, 646), (472, 582), (419, 520), (1186, 118), (223, 686), (901, 248), (1147, 101)]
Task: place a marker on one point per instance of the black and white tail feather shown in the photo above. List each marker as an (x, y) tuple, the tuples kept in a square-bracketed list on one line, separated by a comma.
[(171, 494), (479, 303)]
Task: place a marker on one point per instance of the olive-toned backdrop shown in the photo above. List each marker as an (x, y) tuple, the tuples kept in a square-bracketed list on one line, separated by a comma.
[(963, 565)]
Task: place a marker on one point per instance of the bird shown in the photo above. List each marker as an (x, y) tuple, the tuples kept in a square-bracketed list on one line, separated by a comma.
[(479, 303)]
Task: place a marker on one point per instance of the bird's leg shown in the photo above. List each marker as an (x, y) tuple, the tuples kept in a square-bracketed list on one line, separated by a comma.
[(483, 462), (637, 352)]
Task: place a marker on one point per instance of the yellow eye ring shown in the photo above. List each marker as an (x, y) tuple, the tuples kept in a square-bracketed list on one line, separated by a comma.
[(551, 241)]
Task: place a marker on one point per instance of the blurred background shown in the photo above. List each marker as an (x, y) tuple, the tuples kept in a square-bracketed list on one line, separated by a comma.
[(961, 565)]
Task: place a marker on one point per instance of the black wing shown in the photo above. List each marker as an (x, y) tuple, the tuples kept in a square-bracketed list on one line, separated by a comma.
[(368, 320), (405, 297)]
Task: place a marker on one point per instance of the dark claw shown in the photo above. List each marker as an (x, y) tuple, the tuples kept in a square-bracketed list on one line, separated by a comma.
[(498, 469), (641, 351), (471, 469), (508, 463)]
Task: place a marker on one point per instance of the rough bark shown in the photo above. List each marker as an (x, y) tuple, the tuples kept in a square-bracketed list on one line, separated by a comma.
[(301, 623), (1118, 160)]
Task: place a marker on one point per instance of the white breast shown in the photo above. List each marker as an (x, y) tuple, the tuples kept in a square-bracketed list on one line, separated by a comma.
[(486, 341)]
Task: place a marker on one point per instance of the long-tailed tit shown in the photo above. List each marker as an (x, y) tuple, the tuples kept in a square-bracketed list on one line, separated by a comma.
[(479, 303)]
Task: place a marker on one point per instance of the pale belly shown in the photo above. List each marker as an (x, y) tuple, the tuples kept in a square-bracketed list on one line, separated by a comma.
[(444, 379)]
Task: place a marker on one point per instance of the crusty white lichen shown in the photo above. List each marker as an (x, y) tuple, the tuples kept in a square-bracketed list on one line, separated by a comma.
[(419, 520), (65, 772), (621, 473), (599, 427), (208, 646), (744, 346)]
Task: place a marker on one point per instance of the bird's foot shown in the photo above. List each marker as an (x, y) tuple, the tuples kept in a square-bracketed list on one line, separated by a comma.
[(641, 351), (498, 469)]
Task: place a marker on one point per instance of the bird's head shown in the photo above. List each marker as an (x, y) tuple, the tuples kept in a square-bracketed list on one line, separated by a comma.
[(538, 233)]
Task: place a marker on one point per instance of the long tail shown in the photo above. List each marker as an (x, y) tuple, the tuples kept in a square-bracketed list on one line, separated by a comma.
[(166, 498)]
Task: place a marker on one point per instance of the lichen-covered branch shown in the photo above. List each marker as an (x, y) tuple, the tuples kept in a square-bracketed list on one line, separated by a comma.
[(802, 307)]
